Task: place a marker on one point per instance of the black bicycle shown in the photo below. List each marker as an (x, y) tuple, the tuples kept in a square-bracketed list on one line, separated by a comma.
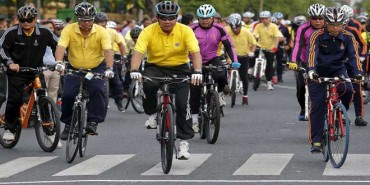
[(166, 114), (77, 137)]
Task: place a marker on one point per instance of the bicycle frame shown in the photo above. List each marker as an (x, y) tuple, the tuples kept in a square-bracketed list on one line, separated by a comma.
[(260, 65), (237, 77), (164, 98), (332, 98)]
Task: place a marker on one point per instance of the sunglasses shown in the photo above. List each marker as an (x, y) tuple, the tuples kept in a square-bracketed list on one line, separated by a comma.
[(317, 18), (338, 25), (165, 18), (29, 20), (85, 20)]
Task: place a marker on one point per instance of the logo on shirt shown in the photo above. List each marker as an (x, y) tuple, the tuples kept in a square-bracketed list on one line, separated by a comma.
[(35, 43), (341, 46), (177, 44)]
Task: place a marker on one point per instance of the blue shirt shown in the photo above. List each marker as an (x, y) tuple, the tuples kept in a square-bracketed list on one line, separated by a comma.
[(49, 58)]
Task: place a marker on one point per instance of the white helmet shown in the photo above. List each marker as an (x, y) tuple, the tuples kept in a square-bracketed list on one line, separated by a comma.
[(316, 10), (347, 9), (111, 24), (248, 14), (335, 15), (206, 11), (265, 14), (235, 15)]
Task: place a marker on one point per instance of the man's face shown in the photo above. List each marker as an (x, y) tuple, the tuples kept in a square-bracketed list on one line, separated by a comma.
[(85, 24), (246, 20), (317, 22), (265, 20), (58, 30), (236, 30), (334, 28), (50, 26), (167, 22), (27, 24), (206, 22)]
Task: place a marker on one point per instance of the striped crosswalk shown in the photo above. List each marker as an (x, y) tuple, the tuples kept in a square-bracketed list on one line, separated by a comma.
[(272, 164)]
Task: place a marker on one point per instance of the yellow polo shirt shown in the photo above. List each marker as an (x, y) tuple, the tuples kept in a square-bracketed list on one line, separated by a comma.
[(242, 42), (266, 36), (116, 38), (167, 50), (85, 53)]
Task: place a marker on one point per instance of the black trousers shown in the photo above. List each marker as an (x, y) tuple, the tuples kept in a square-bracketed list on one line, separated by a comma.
[(243, 72), (181, 91)]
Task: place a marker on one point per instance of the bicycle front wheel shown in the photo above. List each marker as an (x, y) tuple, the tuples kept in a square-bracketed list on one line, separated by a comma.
[(233, 88), (136, 95), (82, 134), (257, 78), (212, 125), (48, 127), (106, 93), (325, 140), (338, 136), (73, 136), (167, 132)]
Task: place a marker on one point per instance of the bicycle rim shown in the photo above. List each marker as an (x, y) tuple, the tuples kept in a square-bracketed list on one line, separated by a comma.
[(136, 97), (257, 78), (73, 140), (213, 116), (48, 128), (83, 137), (338, 142), (168, 138)]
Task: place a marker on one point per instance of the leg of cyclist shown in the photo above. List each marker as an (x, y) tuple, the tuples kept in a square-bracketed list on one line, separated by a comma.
[(358, 100), (220, 79), (150, 100), (279, 63), (269, 72), (244, 65), (117, 91), (127, 82), (194, 105), (301, 90)]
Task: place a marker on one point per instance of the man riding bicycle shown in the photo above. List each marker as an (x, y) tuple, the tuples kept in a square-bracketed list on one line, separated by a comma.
[(328, 49), (89, 48), (22, 45), (168, 44)]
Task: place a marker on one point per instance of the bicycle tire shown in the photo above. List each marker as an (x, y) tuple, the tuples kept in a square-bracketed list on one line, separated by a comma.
[(367, 97), (136, 98), (233, 89), (212, 125), (201, 121), (126, 102), (167, 138), (325, 140), (337, 155), (83, 137), (257, 78), (73, 134), (49, 124), (106, 93)]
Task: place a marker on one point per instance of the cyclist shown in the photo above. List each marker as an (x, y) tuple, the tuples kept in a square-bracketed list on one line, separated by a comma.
[(248, 20), (351, 21), (168, 44), (267, 35), (22, 45), (328, 49), (299, 57), (89, 44), (245, 46), (115, 82)]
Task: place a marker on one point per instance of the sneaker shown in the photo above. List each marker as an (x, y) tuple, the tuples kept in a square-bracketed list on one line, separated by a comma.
[(195, 123), (302, 116), (250, 71), (64, 134), (51, 139), (222, 99), (151, 123), (270, 86), (245, 100), (316, 148), (227, 90), (8, 136), (183, 150), (91, 128), (119, 105), (360, 121)]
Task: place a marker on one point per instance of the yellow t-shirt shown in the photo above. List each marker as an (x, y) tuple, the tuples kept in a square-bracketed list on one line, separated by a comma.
[(85, 53), (167, 50), (266, 36), (242, 42), (116, 38), (366, 36)]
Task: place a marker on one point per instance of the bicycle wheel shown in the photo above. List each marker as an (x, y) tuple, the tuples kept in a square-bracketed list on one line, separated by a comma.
[(338, 136), (325, 140), (83, 137), (202, 121), (73, 135), (48, 127), (136, 95), (212, 125), (233, 88), (167, 138), (367, 96), (257, 78), (106, 93)]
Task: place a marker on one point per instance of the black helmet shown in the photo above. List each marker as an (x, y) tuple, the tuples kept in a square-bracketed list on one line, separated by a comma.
[(135, 32), (85, 10), (101, 17), (27, 12), (167, 8)]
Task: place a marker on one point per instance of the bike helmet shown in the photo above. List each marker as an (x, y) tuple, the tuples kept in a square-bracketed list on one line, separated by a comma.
[(299, 20), (101, 17), (167, 8), (274, 19), (278, 15), (206, 11), (316, 10), (85, 10), (265, 14), (235, 23), (111, 24), (362, 19), (348, 10), (248, 14), (335, 15), (135, 32), (26, 12), (58, 23), (217, 16)]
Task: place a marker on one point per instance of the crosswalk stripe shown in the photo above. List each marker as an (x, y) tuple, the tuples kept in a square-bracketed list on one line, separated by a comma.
[(180, 167), (264, 164), (355, 165), (21, 164), (95, 165)]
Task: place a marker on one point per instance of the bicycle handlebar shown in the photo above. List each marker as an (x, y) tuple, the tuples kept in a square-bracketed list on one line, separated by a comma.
[(38, 69), (168, 80), (84, 72), (335, 79)]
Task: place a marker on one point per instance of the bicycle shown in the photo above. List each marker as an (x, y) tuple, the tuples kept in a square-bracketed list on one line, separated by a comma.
[(77, 137), (210, 110), (166, 125), (39, 111), (135, 97), (259, 69), (336, 129), (234, 84)]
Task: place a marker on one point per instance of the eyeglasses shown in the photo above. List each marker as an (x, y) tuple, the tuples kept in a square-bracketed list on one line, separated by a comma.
[(85, 20), (315, 18), (338, 25), (263, 18), (169, 18), (29, 20)]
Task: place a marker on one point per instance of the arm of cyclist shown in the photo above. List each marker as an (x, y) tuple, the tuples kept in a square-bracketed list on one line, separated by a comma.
[(5, 47), (197, 77), (136, 59), (354, 60), (108, 55), (59, 55)]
